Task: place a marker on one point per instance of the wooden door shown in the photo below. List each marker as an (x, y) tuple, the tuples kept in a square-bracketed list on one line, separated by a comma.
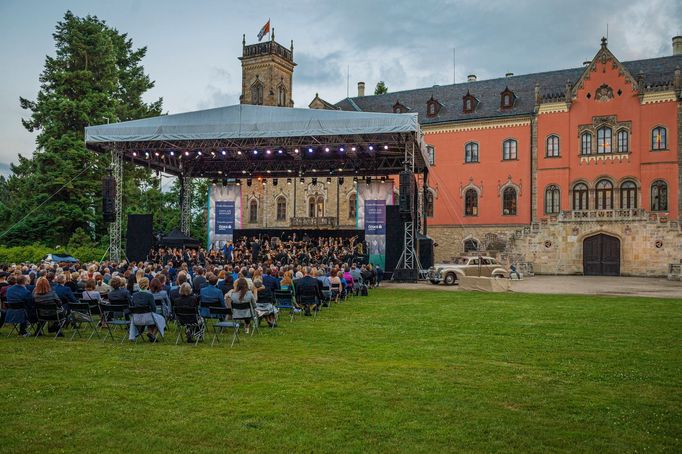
[(601, 255)]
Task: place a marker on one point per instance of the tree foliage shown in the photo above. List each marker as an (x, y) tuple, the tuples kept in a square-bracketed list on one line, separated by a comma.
[(381, 88), (95, 76)]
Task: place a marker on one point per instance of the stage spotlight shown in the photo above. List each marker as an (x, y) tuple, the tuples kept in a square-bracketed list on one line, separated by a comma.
[(280, 151), (326, 149), (172, 153), (134, 153), (260, 178), (239, 152), (353, 149), (385, 147), (186, 153), (314, 180), (146, 154), (296, 150), (288, 170), (267, 171), (255, 151), (223, 152), (199, 153), (238, 181), (156, 153), (371, 148), (268, 151), (248, 181), (341, 149), (329, 180), (340, 181), (243, 171), (310, 150), (314, 170), (288, 180), (274, 181), (213, 154)]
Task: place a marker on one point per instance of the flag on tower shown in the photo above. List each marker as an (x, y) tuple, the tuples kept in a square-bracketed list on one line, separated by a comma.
[(264, 31)]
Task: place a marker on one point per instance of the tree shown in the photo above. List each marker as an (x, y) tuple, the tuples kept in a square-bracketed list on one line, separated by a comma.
[(381, 88), (94, 77)]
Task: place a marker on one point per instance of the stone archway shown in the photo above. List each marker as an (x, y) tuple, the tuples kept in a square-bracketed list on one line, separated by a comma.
[(601, 255)]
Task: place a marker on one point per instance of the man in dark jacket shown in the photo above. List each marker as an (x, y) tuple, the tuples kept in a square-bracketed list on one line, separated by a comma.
[(19, 294), (269, 281), (63, 292), (308, 290)]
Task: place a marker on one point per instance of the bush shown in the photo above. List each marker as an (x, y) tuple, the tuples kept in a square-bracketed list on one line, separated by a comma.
[(18, 254)]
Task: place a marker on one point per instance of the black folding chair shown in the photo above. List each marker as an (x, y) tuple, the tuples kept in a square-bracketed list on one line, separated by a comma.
[(252, 312), (188, 317), (310, 300), (114, 315), (16, 308), (50, 312), (81, 312), (220, 314), (326, 296), (142, 310)]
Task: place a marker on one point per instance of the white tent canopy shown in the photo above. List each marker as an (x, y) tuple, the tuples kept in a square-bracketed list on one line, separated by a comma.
[(247, 121)]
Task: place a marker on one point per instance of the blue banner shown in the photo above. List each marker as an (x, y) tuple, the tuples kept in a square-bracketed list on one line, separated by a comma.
[(224, 217), (375, 230)]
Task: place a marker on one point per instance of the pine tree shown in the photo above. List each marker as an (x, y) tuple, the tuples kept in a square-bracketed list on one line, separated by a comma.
[(381, 88), (94, 77)]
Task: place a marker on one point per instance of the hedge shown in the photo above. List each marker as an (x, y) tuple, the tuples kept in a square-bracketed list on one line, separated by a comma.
[(34, 253)]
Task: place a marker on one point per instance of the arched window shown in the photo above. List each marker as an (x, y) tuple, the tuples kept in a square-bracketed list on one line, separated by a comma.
[(257, 93), (320, 206), (352, 208), (471, 152), (468, 105), (604, 193), (604, 140), (628, 195), (623, 141), (586, 143), (659, 139), (470, 245), (281, 208), (509, 149), (552, 199), (282, 96), (552, 146), (509, 202), (580, 200), (311, 207), (253, 211), (471, 202), (429, 203), (659, 196)]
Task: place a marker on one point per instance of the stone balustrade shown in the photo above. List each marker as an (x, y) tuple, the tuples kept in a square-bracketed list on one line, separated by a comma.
[(324, 222)]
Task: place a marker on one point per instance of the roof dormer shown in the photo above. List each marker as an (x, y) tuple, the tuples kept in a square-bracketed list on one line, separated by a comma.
[(399, 108), (432, 107), (507, 99), (469, 102)]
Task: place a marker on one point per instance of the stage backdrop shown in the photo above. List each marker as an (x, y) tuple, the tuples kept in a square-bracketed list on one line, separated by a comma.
[(371, 216), (224, 213)]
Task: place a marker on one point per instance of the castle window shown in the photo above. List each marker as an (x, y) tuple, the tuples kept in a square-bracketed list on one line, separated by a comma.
[(509, 150), (432, 107), (552, 199), (257, 93), (469, 102), (352, 208), (580, 200), (471, 202), (628, 195), (316, 207), (604, 140), (659, 196), (586, 143), (623, 141), (552, 146), (604, 195), (507, 99), (399, 108), (431, 154), (470, 245), (253, 212), (281, 208), (509, 202), (429, 203), (471, 152), (659, 140)]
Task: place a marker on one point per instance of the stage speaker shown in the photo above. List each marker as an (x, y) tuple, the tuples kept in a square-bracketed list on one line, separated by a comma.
[(407, 186), (425, 245), (139, 236), (109, 199)]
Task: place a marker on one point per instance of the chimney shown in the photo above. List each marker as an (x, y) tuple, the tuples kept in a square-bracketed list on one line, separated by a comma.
[(361, 89), (508, 74), (677, 45), (471, 78)]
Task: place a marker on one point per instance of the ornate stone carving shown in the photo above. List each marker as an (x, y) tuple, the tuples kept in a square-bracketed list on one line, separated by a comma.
[(604, 93)]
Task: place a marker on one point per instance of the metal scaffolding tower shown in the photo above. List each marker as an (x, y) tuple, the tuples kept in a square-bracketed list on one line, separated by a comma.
[(116, 226), (185, 203)]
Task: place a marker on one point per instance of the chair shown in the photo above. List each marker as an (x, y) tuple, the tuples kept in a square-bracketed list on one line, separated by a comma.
[(284, 299), (336, 292), (326, 296), (310, 300), (50, 312), (220, 313), (252, 311), (16, 311), (144, 321), (81, 312), (114, 315), (188, 317)]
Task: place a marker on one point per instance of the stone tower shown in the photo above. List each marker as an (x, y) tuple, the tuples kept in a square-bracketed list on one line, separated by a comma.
[(267, 70)]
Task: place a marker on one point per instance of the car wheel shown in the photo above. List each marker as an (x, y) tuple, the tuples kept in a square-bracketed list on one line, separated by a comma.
[(450, 279), (434, 282)]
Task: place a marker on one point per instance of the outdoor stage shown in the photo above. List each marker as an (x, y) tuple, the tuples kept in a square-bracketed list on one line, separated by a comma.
[(245, 142)]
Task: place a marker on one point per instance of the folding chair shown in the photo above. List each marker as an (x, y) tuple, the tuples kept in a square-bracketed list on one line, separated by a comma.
[(81, 312), (188, 317), (149, 321), (114, 315), (50, 312), (284, 299), (14, 311), (310, 300), (220, 314), (326, 296), (336, 292)]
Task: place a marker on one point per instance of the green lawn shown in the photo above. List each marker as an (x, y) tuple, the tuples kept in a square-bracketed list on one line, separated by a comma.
[(399, 371)]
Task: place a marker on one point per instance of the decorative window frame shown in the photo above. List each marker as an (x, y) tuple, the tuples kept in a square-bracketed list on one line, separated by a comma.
[(598, 122), (478, 152), (558, 151), (651, 139)]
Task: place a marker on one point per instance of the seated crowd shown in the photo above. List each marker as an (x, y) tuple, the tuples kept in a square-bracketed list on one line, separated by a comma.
[(247, 281)]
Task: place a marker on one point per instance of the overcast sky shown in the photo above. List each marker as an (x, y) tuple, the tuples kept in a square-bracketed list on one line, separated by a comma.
[(193, 45)]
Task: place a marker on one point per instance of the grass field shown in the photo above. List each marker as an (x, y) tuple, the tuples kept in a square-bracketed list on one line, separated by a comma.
[(399, 371)]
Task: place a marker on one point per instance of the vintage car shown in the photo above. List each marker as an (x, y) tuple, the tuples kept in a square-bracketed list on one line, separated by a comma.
[(466, 266)]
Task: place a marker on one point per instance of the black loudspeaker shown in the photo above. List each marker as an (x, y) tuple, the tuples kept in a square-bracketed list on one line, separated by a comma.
[(395, 232), (425, 245), (109, 199), (407, 187), (139, 236)]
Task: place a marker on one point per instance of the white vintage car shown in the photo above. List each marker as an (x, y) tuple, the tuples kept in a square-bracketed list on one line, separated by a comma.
[(449, 273)]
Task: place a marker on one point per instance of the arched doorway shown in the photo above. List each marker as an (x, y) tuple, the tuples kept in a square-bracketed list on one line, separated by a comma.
[(601, 255)]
